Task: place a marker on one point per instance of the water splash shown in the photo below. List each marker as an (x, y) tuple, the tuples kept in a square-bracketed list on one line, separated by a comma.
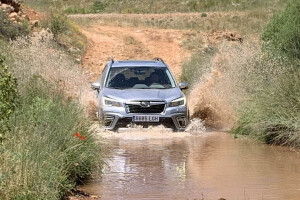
[(218, 94), (196, 127)]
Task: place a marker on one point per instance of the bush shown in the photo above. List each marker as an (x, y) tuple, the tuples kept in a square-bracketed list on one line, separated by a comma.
[(98, 6), (273, 114), (58, 24), (49, 148), (282, 34), (8, 94), (71, 10), (66, 33), (10, 30), (203, 15)]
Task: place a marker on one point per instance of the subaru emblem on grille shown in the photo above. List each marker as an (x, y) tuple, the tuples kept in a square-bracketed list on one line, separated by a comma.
[(145, 104)]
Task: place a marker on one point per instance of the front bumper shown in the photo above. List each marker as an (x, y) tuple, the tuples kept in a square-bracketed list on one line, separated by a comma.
[(171, 117)]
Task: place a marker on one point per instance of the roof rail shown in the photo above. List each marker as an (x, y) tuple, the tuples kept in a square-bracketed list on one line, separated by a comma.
[(111, 61), (159, 60)]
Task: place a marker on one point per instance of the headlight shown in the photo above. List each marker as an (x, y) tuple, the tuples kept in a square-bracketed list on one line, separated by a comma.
[(111, 102), (178, 102)]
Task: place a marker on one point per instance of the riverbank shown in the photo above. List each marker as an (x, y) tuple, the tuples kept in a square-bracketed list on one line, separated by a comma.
[(47, 145)]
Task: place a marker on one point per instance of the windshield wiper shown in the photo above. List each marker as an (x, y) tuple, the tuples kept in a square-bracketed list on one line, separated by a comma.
[(118, 88)]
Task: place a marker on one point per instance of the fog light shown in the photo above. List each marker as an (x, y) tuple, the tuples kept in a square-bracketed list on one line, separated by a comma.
[(181, 121), (108, 120)]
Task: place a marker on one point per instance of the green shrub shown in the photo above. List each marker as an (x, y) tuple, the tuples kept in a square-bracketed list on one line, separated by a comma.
[(273, 114), (66, 33), (10, 30), (282, 34), (71, 10), (58, 24), (98, 6), (49, 148), (203, 15), (8, 94)]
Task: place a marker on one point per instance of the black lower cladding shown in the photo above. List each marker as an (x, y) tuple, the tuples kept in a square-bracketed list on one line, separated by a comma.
[(151, 109), (166, 121)]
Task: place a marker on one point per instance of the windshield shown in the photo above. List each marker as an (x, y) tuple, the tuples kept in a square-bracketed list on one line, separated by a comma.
[(140, 78)]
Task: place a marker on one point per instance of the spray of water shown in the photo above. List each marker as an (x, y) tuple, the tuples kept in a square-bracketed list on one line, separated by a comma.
[(152, 132), (217, 95)]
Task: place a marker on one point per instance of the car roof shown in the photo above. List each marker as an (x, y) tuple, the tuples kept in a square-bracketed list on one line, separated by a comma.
[(138, 63)]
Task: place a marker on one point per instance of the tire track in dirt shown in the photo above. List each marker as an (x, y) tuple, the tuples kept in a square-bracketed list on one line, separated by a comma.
[(123, 43)]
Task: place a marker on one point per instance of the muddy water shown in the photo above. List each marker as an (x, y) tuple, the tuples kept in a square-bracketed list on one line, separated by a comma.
[(207, 166)]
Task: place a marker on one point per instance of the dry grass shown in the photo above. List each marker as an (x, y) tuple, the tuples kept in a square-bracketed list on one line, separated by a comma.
[(40, 56), (151, 6), (246, 23), (40, 156), (167, 6)]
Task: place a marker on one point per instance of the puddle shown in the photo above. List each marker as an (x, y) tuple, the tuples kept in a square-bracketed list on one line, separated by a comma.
[(207, 166)]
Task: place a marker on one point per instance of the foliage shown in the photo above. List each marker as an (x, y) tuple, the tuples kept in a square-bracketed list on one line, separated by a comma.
[(58, 24), (49, 148), (8, 94), (203, 15), (76, 10), (10, 30), (98, 6), (166, 6), (66, 33), (282, 34), (272, 113), (152, 6)]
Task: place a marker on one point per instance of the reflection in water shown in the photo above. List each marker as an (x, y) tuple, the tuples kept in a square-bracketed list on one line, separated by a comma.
[(204, 167)]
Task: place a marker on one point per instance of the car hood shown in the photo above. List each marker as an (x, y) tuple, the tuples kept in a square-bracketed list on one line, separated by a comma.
[(143, 94)]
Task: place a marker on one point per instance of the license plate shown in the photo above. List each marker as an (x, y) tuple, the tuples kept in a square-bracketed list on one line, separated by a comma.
[(145, 118)]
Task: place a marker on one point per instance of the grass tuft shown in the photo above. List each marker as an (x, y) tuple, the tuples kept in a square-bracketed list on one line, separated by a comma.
[(272, 115), (41, 157)]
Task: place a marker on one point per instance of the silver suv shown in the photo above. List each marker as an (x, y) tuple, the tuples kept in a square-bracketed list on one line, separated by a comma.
[(140, 92)]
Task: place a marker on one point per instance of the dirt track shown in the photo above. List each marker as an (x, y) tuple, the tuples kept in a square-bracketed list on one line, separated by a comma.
[(123, 43)]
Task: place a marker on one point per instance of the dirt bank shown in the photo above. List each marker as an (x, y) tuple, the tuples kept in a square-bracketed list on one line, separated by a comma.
[(123, 43)]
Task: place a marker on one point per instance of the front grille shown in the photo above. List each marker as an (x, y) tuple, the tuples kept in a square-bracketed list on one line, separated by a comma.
[(131, 108), (127, 122)]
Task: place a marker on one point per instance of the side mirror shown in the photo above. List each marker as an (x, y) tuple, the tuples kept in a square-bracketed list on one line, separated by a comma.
[(95, 86), (183, 86)]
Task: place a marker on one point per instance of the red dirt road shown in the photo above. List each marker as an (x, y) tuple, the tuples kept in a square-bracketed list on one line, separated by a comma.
[(123, 43)]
